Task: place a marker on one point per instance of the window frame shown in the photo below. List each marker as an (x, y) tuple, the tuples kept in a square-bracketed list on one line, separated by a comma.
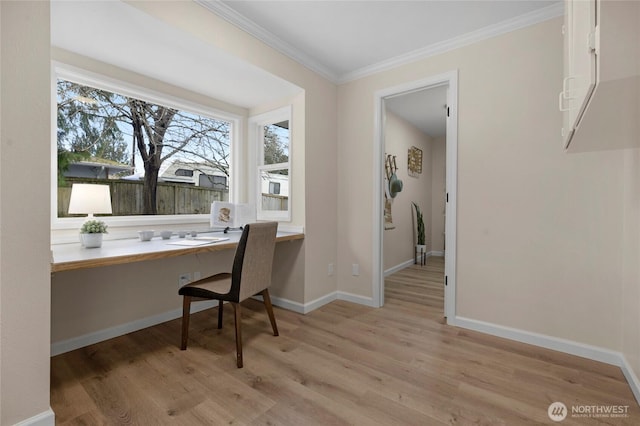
[(103, 82), (256, 132)]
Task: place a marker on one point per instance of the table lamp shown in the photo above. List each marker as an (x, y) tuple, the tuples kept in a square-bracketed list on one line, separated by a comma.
[(89, 199)]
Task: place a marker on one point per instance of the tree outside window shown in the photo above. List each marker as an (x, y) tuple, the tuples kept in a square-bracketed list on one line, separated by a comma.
[(109, 127)]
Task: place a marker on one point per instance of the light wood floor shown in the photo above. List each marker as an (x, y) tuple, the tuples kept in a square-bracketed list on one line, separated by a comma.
[(418, 284), (343, 364)]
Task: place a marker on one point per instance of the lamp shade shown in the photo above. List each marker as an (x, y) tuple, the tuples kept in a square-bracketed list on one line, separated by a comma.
[(89, 199)]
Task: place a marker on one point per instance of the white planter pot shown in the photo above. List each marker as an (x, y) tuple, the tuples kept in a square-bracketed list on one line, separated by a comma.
[(421, 254), (91, 240)]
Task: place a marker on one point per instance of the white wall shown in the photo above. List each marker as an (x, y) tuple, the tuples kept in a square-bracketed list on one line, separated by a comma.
[(24, 218), (399, 242)]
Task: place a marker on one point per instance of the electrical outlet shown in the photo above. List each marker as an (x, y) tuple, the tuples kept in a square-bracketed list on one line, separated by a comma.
[(184, 279), (355, 269), (330, 269)]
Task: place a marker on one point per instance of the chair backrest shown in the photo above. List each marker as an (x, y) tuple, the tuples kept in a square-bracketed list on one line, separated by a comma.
[(253, 261)]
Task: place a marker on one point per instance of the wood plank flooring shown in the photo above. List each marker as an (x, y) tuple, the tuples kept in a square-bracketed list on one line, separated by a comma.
[(418, 284), (342, 364)]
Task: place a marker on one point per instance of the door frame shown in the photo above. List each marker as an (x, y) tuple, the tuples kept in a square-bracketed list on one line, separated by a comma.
[(449, 79)]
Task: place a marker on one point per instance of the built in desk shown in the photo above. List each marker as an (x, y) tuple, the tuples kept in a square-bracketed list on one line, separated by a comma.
[(69, 257)]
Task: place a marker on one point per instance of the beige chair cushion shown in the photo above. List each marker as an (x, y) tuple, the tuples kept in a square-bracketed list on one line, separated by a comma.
[(210, 287)]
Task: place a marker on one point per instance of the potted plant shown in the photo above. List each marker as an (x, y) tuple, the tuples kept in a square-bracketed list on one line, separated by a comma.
[(421, 242), (91, 233)]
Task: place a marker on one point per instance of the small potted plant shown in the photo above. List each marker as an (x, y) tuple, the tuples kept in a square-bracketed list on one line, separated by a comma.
[(91, 233), (421, 242)]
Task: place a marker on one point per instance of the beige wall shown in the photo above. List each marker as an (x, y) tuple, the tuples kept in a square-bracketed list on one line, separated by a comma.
[(25, 95), (320, 131), (399, 243), (539, 232), (300, 270), (438, 192), (547, 242), (320, 121), (24, 219), (630, 317)]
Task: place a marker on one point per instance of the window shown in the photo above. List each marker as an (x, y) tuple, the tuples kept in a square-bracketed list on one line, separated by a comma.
[(272, 138), (211, 181), (274, 188), (150, 144)]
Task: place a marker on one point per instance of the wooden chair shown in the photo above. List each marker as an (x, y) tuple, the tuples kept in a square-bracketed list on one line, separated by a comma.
[(251, 275)]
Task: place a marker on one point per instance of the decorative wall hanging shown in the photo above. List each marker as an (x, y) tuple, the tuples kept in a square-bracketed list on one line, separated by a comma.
[(395, 184), (414, 165), (392, 186)]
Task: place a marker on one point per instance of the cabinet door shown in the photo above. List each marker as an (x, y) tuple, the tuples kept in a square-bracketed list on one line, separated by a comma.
[(580, 62)]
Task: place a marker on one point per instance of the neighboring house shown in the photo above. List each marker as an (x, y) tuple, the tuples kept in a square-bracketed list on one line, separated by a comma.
[(98, 168), (275, 184), (197, 174)]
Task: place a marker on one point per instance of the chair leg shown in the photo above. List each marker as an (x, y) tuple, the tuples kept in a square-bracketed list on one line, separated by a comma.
[(267, 304), (236, 310), (186, 308), (219, 313)]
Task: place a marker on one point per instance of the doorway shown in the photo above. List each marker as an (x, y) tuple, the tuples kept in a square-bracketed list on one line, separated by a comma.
[(449, 82)]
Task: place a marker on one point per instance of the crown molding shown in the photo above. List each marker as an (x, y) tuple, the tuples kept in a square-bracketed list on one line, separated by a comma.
[(230, 15), (522, 21), (500, 28)]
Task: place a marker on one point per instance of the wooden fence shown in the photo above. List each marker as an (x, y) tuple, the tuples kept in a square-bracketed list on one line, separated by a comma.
[(126, 197), (171, 198), (274, 202)]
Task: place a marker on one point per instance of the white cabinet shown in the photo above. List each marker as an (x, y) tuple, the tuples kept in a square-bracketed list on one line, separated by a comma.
[(580, 37), (601, 87)]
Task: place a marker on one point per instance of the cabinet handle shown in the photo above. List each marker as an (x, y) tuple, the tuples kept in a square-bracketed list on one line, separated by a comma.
[(561, 99), (565, 90)]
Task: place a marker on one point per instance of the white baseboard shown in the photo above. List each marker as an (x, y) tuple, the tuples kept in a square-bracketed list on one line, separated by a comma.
[(398, 267), (631, 377), (355, 298), (410, 262), (63, 346), (562, 345), (46, 418), (321, 301), (542, 340), (287, 304)]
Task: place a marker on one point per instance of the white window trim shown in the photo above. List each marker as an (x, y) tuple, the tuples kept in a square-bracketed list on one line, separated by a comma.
[(81, 76), (256, 146)]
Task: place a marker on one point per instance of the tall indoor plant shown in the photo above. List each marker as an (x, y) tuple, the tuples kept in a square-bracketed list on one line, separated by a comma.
[(421, 242)]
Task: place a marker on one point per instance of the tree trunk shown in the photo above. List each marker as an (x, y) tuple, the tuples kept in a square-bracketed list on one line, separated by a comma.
[(150, 188)]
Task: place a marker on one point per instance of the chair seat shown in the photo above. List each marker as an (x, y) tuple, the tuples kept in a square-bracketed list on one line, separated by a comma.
[(213, 287)]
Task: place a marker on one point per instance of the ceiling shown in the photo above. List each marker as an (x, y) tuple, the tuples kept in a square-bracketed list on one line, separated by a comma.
[(341, 40), (119, 34), (345, 40), (424, 109)]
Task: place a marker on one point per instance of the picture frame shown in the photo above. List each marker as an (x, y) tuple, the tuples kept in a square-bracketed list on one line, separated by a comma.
[(414, 162)]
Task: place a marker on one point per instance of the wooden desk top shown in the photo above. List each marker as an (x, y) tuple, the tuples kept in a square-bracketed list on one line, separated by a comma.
[(68, 257)]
